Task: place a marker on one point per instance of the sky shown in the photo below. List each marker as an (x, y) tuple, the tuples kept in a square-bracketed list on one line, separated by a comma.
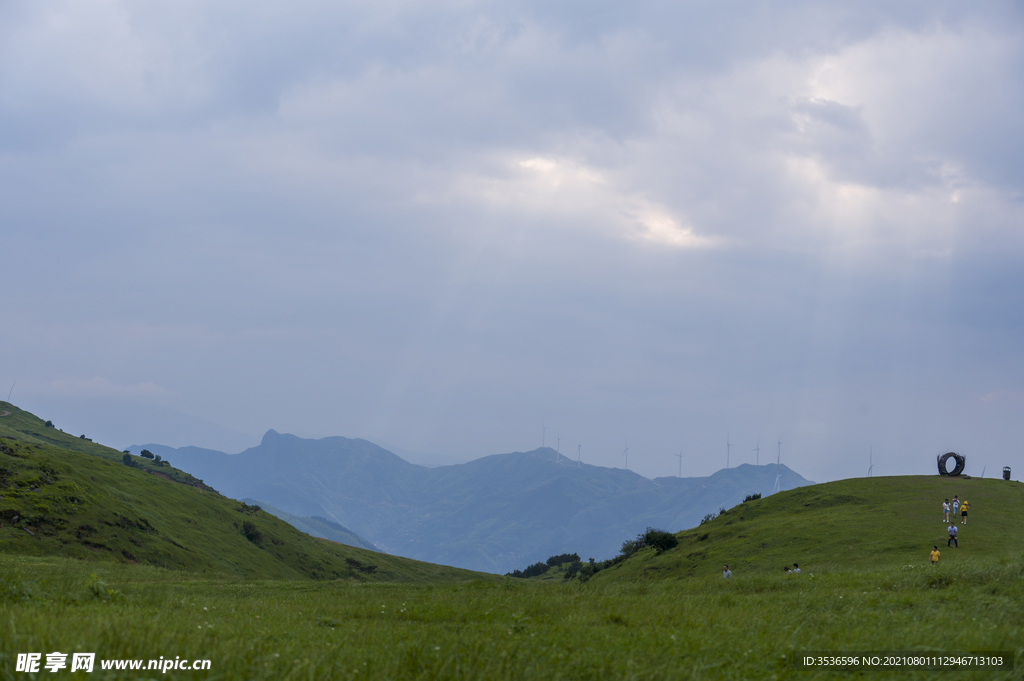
[(468, 228)]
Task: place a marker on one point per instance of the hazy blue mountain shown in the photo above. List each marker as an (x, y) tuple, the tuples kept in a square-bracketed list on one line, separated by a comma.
[(316, 526), (495, 514)]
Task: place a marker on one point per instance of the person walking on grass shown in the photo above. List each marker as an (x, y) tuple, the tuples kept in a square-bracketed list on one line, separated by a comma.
[(963, 512), (945, 511), (956, 506), (952, 536), (726, 572), (934, 555)]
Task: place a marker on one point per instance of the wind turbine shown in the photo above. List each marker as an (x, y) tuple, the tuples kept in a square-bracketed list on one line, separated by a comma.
[(543, 434), (871, 464), (758, 450), (778, 470), (558, 447), (626, 454), (680, 455), (578, 448), (983, 470), (727, 448)]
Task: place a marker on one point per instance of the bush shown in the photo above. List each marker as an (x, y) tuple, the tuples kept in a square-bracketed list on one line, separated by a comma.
[(572, 569), (662, 541), (246, 508), (355, 564), (49, 424), (707, 519), (751, 497), (127, 459), (146, 454), (251, 532)]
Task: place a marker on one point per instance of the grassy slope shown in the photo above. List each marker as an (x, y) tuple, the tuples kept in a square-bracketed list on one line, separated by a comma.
[(848, 524), (85, 505), (28, 428)]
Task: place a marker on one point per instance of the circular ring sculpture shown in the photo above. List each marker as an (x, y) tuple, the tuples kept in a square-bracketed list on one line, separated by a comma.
[(957, 470)]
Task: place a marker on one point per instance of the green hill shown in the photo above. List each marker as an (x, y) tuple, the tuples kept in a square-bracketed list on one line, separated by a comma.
[(28, 428), (87, 504), (854, 524)]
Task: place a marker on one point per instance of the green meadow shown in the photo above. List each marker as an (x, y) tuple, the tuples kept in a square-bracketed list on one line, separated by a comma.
[(700, 627), (142, 563)]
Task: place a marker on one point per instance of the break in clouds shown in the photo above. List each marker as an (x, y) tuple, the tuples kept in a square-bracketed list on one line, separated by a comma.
[(452, 226)]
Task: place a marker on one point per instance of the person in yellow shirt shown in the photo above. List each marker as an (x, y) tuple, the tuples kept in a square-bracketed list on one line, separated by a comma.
[(935, 555), (963, 512)]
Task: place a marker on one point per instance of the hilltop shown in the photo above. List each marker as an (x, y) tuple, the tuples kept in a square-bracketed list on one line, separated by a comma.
[(87, 504), (855, 524), (493, 514)]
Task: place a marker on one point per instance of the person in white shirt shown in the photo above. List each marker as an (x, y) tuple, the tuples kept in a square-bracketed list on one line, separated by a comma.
[(726, 572)]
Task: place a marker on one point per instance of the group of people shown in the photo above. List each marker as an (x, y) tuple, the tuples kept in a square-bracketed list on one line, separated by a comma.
[(956, 505)]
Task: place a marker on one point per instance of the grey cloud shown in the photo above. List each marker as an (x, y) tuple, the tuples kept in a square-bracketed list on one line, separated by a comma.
[(424, 222)]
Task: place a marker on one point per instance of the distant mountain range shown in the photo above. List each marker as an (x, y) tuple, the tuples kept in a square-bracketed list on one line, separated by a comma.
[(493, 514)]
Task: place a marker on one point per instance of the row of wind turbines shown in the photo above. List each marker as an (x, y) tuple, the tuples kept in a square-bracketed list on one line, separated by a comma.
[(728, 451)]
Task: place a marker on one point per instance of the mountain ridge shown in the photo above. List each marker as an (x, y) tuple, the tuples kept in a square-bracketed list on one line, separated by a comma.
[(490, 514)]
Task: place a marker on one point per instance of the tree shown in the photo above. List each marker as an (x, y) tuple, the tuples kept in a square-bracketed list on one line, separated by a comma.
[(534, 570), (563, 558), (158, 458), (49, 424), (127, 460), (146, 454)]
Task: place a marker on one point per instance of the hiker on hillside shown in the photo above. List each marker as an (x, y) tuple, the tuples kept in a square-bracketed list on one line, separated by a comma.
[(796, 569), (952, 536), (786, 569), (726, 572), (934, 555), (945, 511), (963, 512), (956, 505)]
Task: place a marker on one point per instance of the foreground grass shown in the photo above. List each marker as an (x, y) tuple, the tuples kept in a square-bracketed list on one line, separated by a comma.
[(745, 628)]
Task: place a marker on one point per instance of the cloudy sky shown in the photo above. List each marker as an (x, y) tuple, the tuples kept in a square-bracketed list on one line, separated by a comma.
[(464, 227)]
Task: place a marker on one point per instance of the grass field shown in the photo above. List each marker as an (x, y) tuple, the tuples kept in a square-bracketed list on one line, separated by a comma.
[(99, 557), (700, 628)]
